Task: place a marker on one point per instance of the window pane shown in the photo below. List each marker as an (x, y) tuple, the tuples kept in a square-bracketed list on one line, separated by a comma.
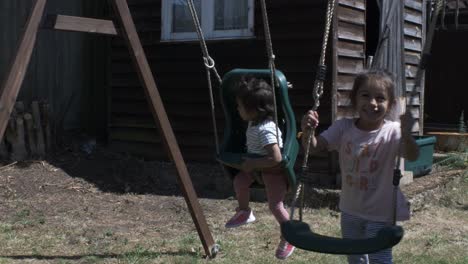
[(231, 14), (181, 17)]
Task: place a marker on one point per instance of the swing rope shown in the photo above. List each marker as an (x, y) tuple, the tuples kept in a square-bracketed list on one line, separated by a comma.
[(317, 93), (427, 49), (209, 66), (426, 53), (271, 61)]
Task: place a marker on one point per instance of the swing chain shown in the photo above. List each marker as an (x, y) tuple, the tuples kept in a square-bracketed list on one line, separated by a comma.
[(209, 65), (271, 57), (322, 68), (201, 37), (317, 93), (439, 4)]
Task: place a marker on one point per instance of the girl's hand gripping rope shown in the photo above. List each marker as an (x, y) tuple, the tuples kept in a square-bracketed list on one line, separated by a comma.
[(410, 149)]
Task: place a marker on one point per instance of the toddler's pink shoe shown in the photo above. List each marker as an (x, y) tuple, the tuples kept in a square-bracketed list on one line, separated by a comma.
[(284, 250), (241, 217)]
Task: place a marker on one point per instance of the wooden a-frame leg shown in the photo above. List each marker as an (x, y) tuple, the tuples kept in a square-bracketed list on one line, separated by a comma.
[(159, 114), (14, 80)]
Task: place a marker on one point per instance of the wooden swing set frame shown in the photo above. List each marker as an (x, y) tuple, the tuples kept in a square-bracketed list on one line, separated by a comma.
[(127, 30)]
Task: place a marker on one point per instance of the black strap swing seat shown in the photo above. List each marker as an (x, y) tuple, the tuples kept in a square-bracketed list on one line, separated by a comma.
[(232, 150), (301, 236)]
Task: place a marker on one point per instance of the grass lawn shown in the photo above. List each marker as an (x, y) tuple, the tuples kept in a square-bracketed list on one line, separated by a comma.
[(72, 222)]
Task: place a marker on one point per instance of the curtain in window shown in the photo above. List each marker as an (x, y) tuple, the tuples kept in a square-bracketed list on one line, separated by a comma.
[(181, 17), (231, 14), (390, 50)]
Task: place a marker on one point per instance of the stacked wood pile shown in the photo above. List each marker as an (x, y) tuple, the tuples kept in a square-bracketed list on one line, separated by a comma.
[(28, 134)]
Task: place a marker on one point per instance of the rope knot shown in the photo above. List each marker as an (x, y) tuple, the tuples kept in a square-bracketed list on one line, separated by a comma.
[(209, 62), (321, 72)]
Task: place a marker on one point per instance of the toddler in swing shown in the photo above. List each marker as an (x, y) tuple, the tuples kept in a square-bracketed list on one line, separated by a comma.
[(255, 105), (368, 147)]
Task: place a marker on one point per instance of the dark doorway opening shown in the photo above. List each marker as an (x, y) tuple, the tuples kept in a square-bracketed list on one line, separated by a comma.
[(446, 90), (372, 27)]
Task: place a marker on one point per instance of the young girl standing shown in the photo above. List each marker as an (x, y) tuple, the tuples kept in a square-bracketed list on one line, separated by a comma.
[(368, 147), (255, 105)]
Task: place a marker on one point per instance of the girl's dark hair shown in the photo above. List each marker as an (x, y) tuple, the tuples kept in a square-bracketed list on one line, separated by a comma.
[(256, 95), (374, 78)]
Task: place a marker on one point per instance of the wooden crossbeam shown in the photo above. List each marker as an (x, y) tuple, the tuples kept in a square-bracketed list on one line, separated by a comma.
[(80, 24), (161, 119), (17, 71)]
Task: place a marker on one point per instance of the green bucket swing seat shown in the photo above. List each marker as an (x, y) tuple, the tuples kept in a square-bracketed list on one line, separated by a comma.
[(232, 149)]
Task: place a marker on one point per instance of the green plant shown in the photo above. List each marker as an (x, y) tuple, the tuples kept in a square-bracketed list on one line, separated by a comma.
[(138, 255), (461, 125), (455, 160)]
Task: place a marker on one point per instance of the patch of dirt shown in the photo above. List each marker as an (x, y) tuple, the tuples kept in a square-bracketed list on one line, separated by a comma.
[(90, 194)]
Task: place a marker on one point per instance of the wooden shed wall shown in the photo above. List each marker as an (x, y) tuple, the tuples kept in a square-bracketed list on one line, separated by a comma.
[(414, 29), (296, 28), (349, 45), (63, 67)]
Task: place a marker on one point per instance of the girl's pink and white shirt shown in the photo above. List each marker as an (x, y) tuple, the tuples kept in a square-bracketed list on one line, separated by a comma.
[(367, 161)]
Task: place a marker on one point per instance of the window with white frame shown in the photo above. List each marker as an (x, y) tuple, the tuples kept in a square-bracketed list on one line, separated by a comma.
[(219, 19)]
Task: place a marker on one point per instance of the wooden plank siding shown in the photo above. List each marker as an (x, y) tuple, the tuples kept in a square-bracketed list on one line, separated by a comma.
[(181, 79), (350, 45), (68, 70), (414, 31), (348, 53)]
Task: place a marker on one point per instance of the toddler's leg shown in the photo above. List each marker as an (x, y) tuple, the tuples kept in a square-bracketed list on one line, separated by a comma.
[(354, 228), (276, 188), (242, 183), (383, 256)]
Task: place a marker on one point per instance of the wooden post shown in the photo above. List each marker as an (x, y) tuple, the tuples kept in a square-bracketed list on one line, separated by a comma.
[(38, 127), (19, 107), (21, 152), (17, 72), (28, 119), (15, 136), (159, 114), (3, 150), (45, 109)]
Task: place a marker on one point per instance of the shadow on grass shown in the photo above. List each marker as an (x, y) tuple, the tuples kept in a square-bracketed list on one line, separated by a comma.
[(120, 173), (145, 254)]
